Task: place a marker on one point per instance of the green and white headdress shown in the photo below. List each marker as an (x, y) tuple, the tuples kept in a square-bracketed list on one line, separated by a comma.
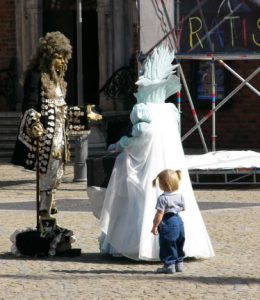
[(157, 81)]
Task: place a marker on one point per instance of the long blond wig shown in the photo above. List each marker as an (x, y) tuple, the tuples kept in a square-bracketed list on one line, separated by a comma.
[(52, 44)]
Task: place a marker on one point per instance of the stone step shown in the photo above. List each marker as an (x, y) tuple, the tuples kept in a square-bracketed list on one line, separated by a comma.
[(6, 146), (8, 118), (9, 122), (8, 130), (10, 115), (7, 138), (6, 154), (4, 121)]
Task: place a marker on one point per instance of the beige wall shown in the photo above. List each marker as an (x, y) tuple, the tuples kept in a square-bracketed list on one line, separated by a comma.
[(156, 20)]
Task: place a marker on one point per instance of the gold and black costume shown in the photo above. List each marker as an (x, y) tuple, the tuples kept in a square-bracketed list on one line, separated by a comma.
[(58, 120), (45, 125)]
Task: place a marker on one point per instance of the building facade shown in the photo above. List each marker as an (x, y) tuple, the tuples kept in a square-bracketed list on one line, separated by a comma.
[(111, 36)]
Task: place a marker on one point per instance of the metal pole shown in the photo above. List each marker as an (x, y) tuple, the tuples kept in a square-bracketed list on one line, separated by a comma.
[(213, 79), (193, 111), (216, 26), (179, 108), (221, 103), (79, 54), (80, 142), (137, 6), (81, 155), (176, 23), (37, 185), (137, 3), (239, 77), (183, 78)]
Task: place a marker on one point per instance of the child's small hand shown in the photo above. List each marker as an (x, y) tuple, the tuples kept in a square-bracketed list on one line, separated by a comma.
[(154, 230)]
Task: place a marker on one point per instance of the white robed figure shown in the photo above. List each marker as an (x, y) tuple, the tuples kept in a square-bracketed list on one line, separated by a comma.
[(129, 204)]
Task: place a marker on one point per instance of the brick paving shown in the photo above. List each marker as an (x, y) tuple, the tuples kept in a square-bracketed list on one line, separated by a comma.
[(232, 217)]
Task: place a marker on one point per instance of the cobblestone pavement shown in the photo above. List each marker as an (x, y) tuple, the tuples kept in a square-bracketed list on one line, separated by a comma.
[(232, 217)]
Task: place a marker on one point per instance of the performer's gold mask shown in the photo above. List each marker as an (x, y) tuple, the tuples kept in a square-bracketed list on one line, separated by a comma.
[(59, 63)]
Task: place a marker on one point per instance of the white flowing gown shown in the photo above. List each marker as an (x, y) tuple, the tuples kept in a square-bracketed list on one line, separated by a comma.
[(129, 205)]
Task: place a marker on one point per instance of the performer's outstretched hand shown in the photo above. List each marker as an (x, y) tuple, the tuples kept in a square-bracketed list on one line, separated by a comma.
[(115, 147), (93, 116)]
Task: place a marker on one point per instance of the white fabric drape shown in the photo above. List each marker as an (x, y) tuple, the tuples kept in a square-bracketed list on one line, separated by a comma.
[(129, 205), (224, 160)]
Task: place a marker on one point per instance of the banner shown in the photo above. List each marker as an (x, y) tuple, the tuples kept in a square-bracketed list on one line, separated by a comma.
[(219, 26)]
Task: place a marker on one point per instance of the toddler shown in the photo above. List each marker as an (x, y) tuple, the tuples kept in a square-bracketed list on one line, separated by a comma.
[(168, 223)]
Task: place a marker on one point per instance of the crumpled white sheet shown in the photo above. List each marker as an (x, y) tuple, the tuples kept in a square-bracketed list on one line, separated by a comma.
[(223, 160)]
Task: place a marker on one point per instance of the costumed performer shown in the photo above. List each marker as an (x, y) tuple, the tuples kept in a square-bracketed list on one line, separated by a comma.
[(155, 145), (46, 117)]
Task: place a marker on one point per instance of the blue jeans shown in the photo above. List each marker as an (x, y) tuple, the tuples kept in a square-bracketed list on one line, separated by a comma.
[(171, 239)]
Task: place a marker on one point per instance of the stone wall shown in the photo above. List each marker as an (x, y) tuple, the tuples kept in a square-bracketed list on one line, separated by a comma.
[(237, 122), (7, 53), (7, 33)]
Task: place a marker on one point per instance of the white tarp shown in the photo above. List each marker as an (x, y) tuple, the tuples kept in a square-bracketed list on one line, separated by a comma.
[(224, 160)]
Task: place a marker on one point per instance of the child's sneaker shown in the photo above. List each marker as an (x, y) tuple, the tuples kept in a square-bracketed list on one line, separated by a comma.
[(179, 266), (166, 270)]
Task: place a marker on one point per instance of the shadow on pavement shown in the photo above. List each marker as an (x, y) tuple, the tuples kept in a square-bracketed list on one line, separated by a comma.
[(4, 184), (138, 275), (223, 205), (62, 204), (97, 258), (82, 205), (225, 280), (86, 258)]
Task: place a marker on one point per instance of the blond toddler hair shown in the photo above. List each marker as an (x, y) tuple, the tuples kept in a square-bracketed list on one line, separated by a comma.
[(169, 180)]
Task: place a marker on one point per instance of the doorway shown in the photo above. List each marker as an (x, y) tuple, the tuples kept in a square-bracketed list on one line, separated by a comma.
[(61, 16)]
